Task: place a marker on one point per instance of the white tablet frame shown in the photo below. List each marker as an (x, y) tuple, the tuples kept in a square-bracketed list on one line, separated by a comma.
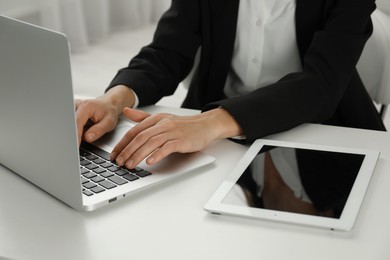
[(345, 222)]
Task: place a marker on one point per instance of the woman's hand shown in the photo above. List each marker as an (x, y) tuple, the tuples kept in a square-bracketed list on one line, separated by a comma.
[(95, 117), (157, 136)]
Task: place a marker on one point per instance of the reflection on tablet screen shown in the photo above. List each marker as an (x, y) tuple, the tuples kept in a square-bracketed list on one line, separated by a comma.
[(297, 180)]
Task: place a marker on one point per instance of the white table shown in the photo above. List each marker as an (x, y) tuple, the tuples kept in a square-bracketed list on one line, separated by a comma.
[(168, 222)]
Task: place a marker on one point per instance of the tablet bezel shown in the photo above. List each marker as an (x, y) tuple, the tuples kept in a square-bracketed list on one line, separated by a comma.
[(348, 217)]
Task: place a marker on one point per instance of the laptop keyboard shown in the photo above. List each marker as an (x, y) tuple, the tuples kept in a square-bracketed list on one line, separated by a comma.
[(99, 173)]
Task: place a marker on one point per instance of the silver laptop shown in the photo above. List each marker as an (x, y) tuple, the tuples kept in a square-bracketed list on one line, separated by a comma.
[(38, 136)]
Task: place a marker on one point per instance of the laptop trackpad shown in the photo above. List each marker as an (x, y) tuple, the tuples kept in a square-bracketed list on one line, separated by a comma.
[(109, 140)]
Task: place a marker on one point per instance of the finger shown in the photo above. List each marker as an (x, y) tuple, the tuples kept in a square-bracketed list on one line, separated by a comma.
[(102, 127), (82, 117), (147, 123), (134, 139), (144, 151), (134, 114), (164, 151)]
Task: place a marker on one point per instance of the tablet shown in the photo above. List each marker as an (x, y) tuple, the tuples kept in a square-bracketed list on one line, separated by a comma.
[(299, 183)]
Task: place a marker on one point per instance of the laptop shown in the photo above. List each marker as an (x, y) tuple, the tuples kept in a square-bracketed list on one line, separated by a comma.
[(339, 177), (38, 129)]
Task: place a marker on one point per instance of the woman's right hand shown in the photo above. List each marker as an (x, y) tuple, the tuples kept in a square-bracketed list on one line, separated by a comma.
[(95, 117)]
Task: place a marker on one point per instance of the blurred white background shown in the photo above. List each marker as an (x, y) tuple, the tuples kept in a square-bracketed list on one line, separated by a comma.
[(86, 21)]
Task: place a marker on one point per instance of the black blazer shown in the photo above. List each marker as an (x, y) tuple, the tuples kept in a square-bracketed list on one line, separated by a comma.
[(331, 35)]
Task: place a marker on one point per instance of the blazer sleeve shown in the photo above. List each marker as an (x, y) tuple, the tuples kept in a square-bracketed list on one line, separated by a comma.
[(159, 67), (312, 95)]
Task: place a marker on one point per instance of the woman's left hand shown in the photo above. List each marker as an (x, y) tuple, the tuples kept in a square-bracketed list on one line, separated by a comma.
[(157, 136)]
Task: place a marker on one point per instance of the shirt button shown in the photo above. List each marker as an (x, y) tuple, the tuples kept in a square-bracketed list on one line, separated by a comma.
[(258, 22), (255, 60)]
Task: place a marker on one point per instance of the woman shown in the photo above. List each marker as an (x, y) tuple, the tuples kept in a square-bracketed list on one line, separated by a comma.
[(265, 67)]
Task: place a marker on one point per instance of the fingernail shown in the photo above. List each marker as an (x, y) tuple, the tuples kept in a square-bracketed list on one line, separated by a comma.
[(129, 164), (91, 137), (150, 160), (119, 161)]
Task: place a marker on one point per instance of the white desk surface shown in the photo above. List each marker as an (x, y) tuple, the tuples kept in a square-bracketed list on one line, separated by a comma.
[(168, 222)]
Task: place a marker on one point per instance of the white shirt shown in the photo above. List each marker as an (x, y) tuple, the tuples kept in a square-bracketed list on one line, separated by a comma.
[(265, 48)]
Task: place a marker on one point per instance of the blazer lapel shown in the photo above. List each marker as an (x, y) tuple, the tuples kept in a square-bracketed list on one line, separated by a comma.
[(224, 15)]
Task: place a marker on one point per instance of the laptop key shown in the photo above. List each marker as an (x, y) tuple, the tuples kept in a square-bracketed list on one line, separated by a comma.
[(114, 168), (91, 157), (84, 152), (106, 174), (89, 175), (89, 185), (117, 180), (136, 169), (84, 163), (97, 179), (99, 161), (97, 189), (107, 184), (84, 180), (87, 192), (121, 172), (91, 166), (83, 171), (130, 177), (143, 173), (98, 170), (106, 165)]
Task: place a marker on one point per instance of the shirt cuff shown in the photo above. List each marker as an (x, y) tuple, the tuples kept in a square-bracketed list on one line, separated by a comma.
[(238, 137), (136, 100)]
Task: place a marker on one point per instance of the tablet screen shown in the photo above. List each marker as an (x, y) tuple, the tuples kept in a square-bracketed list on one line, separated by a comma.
[(297, 180)]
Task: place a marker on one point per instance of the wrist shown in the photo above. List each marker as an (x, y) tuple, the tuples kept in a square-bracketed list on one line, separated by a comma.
[(223, 123), (119, 97)]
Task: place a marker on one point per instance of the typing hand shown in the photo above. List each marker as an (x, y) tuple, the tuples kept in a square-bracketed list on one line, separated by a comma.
[(94, 118), (100, 115), (157, 136)]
